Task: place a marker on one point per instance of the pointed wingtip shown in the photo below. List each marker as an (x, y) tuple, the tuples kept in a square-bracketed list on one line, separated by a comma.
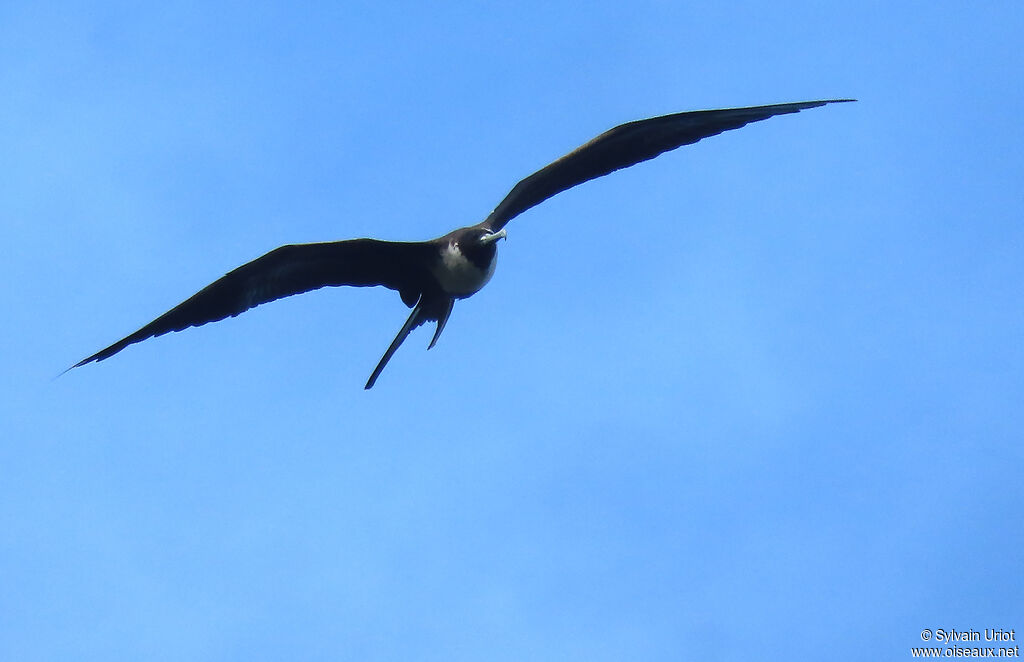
[(818, 103), (806, 105), (70, 368), (63, 372)]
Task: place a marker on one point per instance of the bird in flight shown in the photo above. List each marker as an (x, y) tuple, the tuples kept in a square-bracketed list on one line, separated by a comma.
[(431, 275)]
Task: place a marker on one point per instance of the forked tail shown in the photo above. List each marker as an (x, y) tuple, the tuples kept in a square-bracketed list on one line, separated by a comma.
[(419, 315)]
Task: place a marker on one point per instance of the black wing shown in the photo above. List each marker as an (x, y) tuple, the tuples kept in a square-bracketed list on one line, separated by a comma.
[(289, 270), (629, 144)]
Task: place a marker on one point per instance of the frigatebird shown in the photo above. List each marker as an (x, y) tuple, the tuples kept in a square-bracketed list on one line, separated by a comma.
[(430, 275)]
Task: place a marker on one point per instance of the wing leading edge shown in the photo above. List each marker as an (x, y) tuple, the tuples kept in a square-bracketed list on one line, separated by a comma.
[(629, 144), (290, 270)]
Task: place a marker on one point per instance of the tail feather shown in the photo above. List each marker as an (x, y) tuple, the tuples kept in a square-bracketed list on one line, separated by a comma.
[(442, 319), (410, 324), (434, 308)]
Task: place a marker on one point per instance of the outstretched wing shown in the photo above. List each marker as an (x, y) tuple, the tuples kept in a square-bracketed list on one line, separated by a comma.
[(289, 270), (629, 144)]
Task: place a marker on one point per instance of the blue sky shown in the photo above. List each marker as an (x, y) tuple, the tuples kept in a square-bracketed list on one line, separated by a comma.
[(770, 409)]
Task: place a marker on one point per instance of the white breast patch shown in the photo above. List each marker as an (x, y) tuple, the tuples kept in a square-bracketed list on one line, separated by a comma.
[(458, 276)]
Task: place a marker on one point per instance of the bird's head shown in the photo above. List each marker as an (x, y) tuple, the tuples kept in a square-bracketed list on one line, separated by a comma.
[(478, 241), (477, 244)]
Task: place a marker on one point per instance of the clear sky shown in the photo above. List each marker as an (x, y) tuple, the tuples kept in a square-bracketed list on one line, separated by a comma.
[(769, 407)]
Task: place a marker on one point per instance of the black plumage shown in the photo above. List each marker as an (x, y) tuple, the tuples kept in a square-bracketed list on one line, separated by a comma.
[(430, 275)]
